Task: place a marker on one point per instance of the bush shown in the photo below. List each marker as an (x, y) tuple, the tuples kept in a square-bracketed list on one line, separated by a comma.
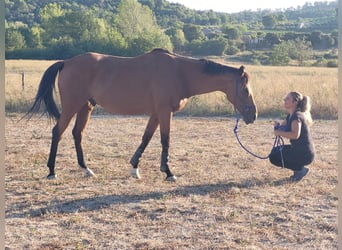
[(280, 55), (330, 56), (194, 47), (320, 62), (258, 58), (332, 64), (214, 47), (232, 50)]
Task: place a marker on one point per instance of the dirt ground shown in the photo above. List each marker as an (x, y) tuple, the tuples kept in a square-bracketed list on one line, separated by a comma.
[(223, 198)]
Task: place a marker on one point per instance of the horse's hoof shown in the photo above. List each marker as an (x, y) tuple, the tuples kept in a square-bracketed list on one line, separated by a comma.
[(135, 173), (171, 178), (88, 172), (51, 177)]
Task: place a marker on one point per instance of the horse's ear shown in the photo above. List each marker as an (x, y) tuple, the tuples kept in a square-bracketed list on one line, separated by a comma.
[(243, 74), (241, 70)]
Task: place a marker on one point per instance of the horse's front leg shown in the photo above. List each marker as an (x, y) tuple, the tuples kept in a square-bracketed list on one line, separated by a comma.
[(164, 167), (149, 131), (165, 124)]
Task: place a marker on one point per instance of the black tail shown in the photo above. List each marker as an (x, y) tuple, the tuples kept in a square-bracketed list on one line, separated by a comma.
[(45, 92)]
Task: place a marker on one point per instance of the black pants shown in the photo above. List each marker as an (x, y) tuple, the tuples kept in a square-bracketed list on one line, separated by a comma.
[(293, 159)]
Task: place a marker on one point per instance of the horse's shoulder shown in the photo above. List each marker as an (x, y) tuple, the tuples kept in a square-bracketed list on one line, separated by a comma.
[(95, 55), (88, 56)]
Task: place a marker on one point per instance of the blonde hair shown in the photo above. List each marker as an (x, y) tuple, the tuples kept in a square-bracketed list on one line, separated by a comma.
[(303, 104)]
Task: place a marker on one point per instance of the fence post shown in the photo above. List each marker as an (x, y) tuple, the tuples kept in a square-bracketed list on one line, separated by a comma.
[(23, 81)]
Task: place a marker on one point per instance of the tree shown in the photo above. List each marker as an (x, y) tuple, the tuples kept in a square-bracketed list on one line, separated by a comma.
[(14, 39), (272, 39), (232, 50), (279, 55), (133, 19), (193, 32), (21, 6), (137, 23), (315, 38), (209, 47), (49, 16), (79, 31), (299, 50), (214, 47), (116, 43), (35, 37), (232, 33), (77, 27), (269, 21), (50, 11), (177, 38), (282, 17), (321, 41), (195, 47)]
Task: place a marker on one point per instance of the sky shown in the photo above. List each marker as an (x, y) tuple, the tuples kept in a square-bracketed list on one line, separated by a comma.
[(241, 5)]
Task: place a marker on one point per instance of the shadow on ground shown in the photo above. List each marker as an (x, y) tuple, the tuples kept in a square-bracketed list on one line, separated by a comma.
[(100, 202)]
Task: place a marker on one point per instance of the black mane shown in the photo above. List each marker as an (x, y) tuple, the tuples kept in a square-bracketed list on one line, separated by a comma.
[(213, 68)]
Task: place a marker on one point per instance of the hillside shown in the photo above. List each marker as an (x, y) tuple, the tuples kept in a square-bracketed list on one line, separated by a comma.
[(38, 28), (318, 16)]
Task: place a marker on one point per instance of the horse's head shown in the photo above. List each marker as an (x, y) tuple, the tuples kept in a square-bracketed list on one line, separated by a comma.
[(242, 97)]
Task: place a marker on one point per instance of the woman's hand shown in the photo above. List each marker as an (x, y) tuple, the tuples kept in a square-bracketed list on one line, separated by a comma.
[(293, 134), (277, 132), (276, 124)]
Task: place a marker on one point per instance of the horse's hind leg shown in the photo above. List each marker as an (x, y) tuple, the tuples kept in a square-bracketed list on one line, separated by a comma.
[(149, 131), (77, 132), (57, 132)]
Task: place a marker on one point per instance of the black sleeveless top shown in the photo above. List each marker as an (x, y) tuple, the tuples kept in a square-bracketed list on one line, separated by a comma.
[(304, 143)]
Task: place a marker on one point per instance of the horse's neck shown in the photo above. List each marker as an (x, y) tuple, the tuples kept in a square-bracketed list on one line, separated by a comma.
[(207, 84), (197, 82)]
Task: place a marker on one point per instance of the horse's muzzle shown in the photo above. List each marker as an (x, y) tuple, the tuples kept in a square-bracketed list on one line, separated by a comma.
[(250, 114)]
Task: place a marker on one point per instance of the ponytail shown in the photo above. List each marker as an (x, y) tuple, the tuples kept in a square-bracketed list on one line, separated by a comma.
[(303, 105), (306, 108)]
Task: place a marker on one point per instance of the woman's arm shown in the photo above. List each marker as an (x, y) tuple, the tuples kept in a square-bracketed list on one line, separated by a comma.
[(282, 123), (293, 134)]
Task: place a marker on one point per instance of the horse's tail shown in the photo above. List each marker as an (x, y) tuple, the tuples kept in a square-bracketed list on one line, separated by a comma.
[(45, 92)]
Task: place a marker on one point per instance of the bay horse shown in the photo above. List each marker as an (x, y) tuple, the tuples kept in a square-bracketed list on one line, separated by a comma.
[(157, 83)]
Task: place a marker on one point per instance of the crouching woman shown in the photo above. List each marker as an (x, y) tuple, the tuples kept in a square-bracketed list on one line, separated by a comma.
[(296, 127)]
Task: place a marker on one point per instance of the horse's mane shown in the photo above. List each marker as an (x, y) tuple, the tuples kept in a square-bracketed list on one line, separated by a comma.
[(210, 67), (213, 68)]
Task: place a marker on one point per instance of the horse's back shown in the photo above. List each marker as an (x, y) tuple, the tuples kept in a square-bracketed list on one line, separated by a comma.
[(93, 63), (81, 67), (126, 85)]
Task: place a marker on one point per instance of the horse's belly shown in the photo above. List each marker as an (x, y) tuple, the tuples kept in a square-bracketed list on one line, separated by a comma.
[(126, 106)]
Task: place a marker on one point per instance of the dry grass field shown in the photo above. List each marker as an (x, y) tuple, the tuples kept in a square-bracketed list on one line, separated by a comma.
[(270, 85), (223, 198)]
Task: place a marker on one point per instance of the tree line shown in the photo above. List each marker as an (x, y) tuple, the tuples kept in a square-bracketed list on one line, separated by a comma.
[(57, 30)]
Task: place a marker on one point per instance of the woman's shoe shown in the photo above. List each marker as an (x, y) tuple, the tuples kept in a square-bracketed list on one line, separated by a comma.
[(298, 175)]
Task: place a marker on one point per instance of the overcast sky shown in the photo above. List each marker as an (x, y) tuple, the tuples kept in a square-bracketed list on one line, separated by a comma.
[(240, 5)]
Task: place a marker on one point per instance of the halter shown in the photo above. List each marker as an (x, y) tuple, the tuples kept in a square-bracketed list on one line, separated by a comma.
[(278, 141)]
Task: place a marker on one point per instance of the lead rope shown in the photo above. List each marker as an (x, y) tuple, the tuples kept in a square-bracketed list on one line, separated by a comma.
[(278, 142)]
